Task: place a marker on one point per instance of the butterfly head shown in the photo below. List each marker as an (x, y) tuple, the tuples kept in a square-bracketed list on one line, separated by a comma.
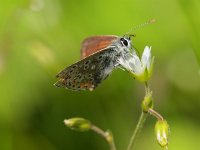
[(126, 40), (124, 43)]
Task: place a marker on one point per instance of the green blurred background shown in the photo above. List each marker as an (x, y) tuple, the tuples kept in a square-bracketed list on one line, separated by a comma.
[(38, 38)]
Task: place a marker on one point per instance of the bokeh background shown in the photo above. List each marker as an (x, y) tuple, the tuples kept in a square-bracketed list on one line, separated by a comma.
[(38, 38)]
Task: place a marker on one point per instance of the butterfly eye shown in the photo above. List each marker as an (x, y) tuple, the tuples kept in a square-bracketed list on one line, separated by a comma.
[(124, 42)]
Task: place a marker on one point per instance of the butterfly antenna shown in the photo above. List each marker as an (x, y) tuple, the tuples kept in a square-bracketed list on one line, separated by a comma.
[(139, 26)]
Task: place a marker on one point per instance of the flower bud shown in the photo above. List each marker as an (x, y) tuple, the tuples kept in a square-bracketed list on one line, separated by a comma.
[(162, 132), (147, 102), (109, 136), (78, 124)]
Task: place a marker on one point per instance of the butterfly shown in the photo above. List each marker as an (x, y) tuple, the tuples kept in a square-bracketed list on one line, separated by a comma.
[(100, 55)]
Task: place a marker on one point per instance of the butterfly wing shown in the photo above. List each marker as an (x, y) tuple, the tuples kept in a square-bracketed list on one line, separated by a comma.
[(96, 43), (88, 73)]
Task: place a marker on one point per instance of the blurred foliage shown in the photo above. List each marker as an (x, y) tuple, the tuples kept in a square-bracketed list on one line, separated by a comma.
[(38, 38)]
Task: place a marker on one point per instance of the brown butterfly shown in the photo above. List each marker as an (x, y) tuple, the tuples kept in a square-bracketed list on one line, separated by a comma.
[(100, 55)]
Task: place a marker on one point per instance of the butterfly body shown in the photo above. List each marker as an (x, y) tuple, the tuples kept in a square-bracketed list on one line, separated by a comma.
[(100, 56)]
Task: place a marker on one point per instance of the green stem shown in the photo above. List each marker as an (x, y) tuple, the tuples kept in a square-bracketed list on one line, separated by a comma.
[(155, 114), (140, 123), (137, 130), (147, 89), (106, 135)]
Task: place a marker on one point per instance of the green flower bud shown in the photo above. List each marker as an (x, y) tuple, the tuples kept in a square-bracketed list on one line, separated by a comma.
[(109, 136), (162, 132), (78, 124), (147, 102)]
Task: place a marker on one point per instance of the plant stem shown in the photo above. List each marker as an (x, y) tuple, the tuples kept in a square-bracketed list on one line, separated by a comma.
[(155, 114), (137, 130), (147, 90), (106, 135), (140, 123)]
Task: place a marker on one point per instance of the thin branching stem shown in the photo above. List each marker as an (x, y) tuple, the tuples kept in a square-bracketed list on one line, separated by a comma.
[(137, 130), (106, 135), (155, 114), (140, 123)]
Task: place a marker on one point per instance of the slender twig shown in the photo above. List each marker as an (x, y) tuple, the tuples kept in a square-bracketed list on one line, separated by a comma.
[(106, 135)]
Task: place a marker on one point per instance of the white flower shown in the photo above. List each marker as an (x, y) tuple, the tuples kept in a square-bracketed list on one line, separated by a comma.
[(141, 68)]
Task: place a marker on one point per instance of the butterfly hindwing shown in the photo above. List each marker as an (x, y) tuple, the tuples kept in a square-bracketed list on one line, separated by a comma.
[(87, 73)]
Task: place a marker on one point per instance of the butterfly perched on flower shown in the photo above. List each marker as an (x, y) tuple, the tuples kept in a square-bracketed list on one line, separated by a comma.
[(100, 55)]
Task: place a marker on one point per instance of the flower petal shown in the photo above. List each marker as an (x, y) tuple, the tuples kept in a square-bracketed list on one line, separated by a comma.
[(140, 68), (135, 64), (124, 63), (146, 57)]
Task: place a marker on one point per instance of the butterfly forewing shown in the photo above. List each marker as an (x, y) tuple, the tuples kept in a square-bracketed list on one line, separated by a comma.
[(89, 72), (96, 43)]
